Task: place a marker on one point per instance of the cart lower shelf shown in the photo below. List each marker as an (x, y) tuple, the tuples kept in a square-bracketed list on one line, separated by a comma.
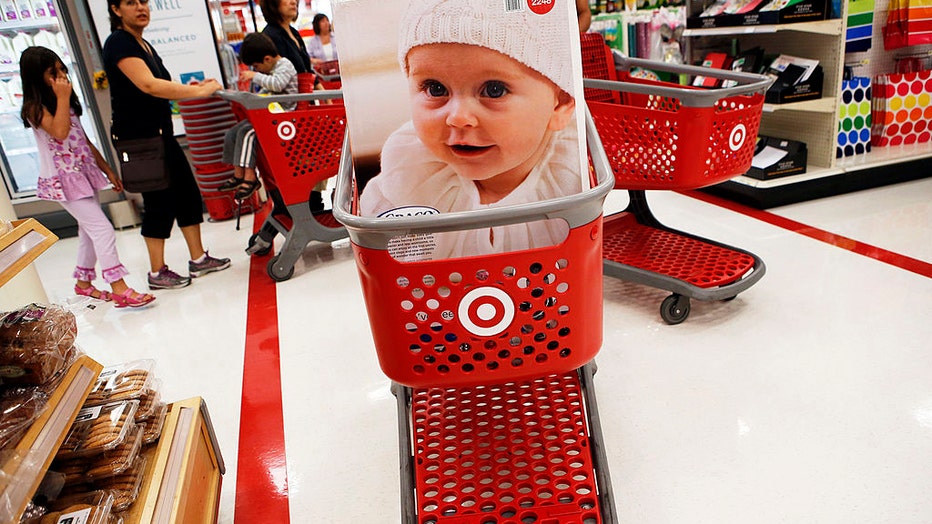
[(504, 454), (637, 248)]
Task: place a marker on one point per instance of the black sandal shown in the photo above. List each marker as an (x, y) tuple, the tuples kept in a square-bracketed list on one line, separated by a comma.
[(246, 188), (230, 184)]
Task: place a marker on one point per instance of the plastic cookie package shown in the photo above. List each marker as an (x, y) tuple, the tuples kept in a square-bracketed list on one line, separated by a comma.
[(150, 401), (154, 425), (128, 381), (118, 459), (86, 508), (17, 414), (125, 486), (98, 429)]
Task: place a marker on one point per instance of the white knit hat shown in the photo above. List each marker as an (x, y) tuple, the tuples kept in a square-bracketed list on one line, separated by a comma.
[(539, 41)]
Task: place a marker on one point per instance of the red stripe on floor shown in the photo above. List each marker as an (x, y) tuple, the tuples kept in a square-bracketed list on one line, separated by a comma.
[(261, 477), (889, 257)]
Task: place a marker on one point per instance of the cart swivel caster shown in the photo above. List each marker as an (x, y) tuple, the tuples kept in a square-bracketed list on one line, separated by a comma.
[(258, 246), (278, 274), (674, 309)]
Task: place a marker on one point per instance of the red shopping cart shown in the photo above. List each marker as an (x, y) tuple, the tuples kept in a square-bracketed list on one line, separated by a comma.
[(297, 149), (661, 135), (497, 415)]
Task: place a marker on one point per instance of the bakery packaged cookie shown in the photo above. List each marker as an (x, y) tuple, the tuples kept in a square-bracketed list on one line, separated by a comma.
[(85, 508), (149, 402), (97, 429), (154, 425), (36, 344), (17, 414), (118, 459), (128, 381), (125, 486)]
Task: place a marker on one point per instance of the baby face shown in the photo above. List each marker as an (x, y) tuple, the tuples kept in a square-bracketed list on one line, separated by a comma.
[(484, 113)]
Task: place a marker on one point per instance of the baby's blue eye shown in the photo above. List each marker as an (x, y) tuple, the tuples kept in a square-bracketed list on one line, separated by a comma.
[(494, 89), (433, 88)]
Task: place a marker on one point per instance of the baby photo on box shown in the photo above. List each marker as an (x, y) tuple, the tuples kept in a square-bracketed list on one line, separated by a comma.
[(463, 105)]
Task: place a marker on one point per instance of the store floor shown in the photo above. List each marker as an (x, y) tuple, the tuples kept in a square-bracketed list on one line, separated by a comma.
[(808, 399)]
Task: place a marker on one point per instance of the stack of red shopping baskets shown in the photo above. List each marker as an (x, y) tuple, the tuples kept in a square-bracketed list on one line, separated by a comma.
[(206, 120)]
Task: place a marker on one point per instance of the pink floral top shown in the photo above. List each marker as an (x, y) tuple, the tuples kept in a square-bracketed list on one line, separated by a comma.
[(67, 168)]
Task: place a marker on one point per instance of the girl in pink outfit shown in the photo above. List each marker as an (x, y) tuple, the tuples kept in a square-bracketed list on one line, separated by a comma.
[(71, 171)]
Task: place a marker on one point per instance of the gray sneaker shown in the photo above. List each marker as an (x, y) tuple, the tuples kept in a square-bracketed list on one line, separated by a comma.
[(208, 265), (168, 279)]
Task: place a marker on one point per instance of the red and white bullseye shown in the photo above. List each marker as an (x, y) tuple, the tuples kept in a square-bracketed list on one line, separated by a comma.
[(286, 130), (738, 135), (486, 311)]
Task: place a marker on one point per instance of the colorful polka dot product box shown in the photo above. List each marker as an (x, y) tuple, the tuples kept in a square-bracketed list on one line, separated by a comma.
[(854, 117), (901, 109)]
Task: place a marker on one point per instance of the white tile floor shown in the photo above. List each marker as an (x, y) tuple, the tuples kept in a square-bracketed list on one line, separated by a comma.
[(808, 399)]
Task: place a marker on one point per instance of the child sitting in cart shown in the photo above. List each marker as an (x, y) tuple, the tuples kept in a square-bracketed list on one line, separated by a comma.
[(493, 123), (274, 75)]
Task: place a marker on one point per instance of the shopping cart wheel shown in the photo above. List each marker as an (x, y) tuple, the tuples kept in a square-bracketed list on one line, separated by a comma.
[(258, 246), (674, 309), (277, 274)]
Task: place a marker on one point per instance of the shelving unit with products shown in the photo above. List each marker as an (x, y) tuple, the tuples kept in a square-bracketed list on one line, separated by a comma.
[(813, 122)]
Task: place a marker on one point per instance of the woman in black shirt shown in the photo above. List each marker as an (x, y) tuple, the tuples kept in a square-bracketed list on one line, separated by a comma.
[(140, 90), (279, 14)]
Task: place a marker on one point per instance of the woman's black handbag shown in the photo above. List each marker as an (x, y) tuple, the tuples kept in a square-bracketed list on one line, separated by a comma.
[(142, 164)]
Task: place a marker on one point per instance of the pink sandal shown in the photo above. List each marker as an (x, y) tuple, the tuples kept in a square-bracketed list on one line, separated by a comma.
[(93, 292), (132, 298)]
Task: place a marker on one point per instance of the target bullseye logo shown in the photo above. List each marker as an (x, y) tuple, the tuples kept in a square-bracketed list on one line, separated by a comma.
[(486, 311), (738, 135), (286, 130)]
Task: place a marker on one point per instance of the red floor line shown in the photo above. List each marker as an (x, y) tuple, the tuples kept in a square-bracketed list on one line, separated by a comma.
[(261, 478), (889, 257)]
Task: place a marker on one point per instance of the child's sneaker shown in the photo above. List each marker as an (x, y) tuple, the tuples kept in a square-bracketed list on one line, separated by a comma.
[(168, 279), (208, 265)]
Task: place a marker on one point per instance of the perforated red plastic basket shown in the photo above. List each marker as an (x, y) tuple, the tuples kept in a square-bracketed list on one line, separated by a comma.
[(301, 147), (661, 135), (485, 319)]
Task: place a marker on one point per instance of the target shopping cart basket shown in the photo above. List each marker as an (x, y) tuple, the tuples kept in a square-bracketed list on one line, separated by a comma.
[(661, 135), (297, 149), (491, 362)]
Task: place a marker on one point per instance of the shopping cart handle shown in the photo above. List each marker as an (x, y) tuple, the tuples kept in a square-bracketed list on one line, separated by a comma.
[(254, 101), (577, 210), (747, 83)]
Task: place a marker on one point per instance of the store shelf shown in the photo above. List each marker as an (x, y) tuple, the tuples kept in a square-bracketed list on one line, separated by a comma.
[(822, 27), (181, 483), (20, 247), (825, 104), (24, 469), (42, 23)]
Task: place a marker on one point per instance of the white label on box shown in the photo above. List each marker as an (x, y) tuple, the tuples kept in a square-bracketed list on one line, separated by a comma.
[(88, 413), (75, 517), (768, 157)]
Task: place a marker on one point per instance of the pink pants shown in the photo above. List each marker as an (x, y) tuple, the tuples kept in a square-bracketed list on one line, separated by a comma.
[(96, 240)]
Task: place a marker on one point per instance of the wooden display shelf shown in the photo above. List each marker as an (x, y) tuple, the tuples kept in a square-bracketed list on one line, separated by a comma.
[(181, 482), (24, 469), (20, 247)]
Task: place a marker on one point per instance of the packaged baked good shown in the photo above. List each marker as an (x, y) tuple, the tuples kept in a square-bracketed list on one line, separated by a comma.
[(17, 414), (154, 425), (125, 486), (36, 343), (73, 469), (149, 402), (84, 508), (116, 518), (97, 429), (118, 459), (127, 381)]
